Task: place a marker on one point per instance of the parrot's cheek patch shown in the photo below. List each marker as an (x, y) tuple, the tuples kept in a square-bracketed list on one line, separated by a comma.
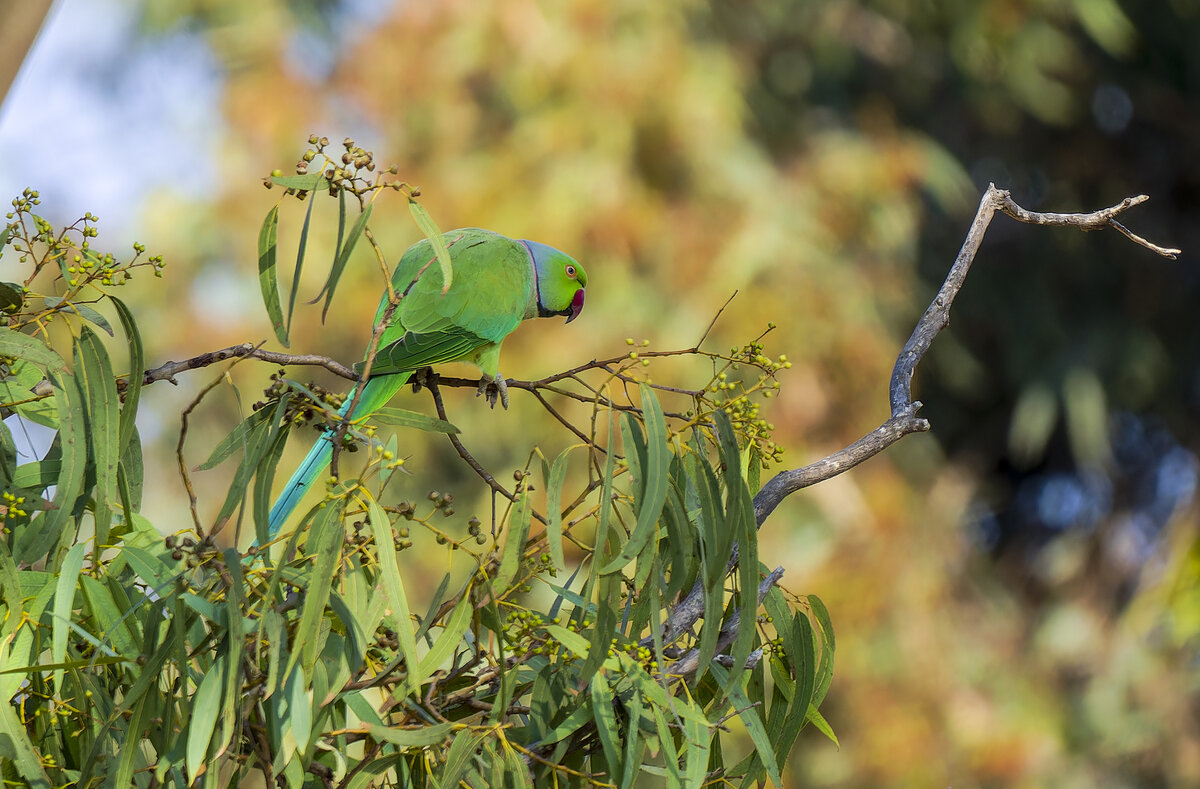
[(576, 306)]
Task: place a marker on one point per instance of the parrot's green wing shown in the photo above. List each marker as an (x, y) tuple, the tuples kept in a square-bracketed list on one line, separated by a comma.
[(492, 291), (414, 351)]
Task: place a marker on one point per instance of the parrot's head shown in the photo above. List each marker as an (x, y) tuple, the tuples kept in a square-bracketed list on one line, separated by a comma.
[(560, 281)]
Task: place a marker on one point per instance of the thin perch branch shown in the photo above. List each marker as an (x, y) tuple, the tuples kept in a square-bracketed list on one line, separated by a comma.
[(168, 371)]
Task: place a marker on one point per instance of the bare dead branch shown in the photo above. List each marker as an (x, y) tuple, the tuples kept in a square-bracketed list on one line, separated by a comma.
[(1097, 220), (904, 419)]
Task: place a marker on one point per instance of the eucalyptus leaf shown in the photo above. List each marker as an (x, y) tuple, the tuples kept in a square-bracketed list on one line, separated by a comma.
[(436, 240), (268, 273), (404, 418)]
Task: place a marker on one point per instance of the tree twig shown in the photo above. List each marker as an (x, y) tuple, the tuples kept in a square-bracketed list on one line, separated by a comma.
[(168, 371), (432, 382)]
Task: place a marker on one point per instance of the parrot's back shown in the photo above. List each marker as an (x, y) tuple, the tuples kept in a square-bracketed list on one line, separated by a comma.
[(493, 287)]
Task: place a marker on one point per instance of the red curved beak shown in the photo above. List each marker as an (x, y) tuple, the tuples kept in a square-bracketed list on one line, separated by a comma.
[(576, 306)]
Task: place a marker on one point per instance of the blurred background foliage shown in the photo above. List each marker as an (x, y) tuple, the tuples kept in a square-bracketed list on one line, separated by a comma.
[(1015, 593)]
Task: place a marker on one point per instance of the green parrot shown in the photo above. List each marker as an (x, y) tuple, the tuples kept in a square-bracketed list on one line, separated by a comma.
[(496, 283)]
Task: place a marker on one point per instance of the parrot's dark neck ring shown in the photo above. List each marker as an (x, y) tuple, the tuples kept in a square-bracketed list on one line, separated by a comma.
[(537, 286), (542, 312)]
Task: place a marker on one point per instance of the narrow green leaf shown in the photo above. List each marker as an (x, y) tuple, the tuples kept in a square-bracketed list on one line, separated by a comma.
[(37, 475), (299, 262), (423, 737), (710, 630), (109, 617), (18, 385), (137, 361), (236, 644), (206, 608), (633, 742), (731, 457), (92, 362), (20, 750), (404, 418), (701, 476), (573, 641), (337, 248), (516, 771), (554, 531), (371, 774), (22, 346), (206, 706), (271, 628), (740, 517), (699, 743), (299, 717), (681, 539), (131, 755), (268, 273), (19, 647), (303, 183), (667, 743), (64, 600), (341, 230), (339, 264), (360, 708), (654, 484), (514, 544), (82, 310), (571, 724), (800, 648), (435, 605), (12, 296), (150, 568), (828, 645), (264, 477), (325, 540), (393, 588), (458, 758), (607, 588), (12, 591), (131, 477), (504, 696), (818, 720), (634, 443), (602, 519), (754, 725), (34, 543), (257, 444), (451, 636), (436, 240)]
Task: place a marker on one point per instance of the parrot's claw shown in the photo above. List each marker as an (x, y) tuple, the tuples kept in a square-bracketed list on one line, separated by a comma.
[(421, 377), (493, 388)]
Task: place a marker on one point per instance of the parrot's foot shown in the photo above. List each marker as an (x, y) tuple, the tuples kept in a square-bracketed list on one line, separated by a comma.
[(422, 376), (493, 388)]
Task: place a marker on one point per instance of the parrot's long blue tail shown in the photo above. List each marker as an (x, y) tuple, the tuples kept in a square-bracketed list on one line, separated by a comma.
[(376, 392)]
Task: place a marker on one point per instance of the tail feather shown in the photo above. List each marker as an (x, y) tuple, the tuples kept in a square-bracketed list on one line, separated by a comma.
[(375, 394)]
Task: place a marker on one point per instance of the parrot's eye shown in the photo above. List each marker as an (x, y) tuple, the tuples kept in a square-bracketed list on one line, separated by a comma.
[(571, 272)]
